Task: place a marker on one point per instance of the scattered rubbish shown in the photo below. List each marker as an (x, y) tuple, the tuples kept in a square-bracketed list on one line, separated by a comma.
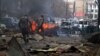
[(37, 37), (95, 38)]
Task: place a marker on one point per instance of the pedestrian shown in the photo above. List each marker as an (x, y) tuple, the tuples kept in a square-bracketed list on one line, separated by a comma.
[(24, 25), (40, 22)]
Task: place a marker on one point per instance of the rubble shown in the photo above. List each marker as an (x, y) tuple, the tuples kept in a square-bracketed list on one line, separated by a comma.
[(53, 46), (3, 54), (98, 52), (3, 44), (14, 48), (95, 38), (37, 37), (17, 35)]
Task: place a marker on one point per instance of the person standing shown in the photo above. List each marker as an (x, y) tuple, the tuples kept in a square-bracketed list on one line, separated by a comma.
[(24, 25), (40, 22)]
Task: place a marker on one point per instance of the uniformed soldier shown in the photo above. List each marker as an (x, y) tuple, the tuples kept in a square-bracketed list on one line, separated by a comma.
[(24, 25)]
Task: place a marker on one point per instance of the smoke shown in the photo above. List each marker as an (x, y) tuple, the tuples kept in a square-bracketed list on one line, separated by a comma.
[(41, 7), (33, 7), (30, 7)]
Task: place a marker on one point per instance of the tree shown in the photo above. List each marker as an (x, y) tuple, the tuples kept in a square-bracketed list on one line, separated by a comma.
[(98, 13)]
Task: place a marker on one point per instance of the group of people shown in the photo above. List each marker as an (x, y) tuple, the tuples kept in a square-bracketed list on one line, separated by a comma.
[(28, 25)]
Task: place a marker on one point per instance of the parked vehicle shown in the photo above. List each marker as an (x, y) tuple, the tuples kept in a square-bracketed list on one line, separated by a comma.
[(10, 22)]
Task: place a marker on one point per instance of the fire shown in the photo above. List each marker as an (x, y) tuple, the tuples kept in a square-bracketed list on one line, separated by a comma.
[(45, 26), (34, 26), (48, 26)]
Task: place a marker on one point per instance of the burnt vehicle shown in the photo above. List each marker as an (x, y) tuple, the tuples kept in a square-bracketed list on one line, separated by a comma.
[(50, 28), (88, 27), (11, 23), (68, 27)]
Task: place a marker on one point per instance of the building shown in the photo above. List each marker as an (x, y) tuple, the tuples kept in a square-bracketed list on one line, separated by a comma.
[(59, 8), (79, 8), (91, 9), (71, 7)]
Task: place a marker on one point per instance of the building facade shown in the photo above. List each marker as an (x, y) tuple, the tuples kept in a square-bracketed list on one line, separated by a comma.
[(79, 8), (91, 9), (71, 8)]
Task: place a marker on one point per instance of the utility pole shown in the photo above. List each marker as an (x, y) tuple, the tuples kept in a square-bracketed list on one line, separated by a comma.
[(98, 19)]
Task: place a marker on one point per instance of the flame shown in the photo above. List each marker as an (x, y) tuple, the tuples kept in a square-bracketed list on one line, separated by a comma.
[(45, 26), (34, 26), (48, 26)]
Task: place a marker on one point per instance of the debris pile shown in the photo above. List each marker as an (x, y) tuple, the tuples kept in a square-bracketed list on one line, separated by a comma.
[(95, 38), (47, 46)]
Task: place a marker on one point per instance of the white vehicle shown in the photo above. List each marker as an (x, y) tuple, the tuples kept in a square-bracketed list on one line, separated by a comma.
[(83, 24), (66, 24), (3, 26)]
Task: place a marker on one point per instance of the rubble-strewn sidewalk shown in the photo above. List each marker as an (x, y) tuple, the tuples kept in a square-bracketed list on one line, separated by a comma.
[(73, 45)]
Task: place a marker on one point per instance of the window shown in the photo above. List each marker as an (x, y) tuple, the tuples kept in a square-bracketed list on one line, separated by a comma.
[(95, 5), (96, 16), (90, 16), (96, 10), (91, 10)]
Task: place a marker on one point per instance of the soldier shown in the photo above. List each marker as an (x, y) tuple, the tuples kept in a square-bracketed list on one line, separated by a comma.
[(24, 25), (40, 22)]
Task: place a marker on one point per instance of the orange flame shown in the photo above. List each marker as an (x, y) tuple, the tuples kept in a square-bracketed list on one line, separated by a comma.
[(48, 26), (45, 26), (34, 26)]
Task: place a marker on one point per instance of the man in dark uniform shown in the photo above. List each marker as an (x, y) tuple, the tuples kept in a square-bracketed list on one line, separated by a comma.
[(24, 26)]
